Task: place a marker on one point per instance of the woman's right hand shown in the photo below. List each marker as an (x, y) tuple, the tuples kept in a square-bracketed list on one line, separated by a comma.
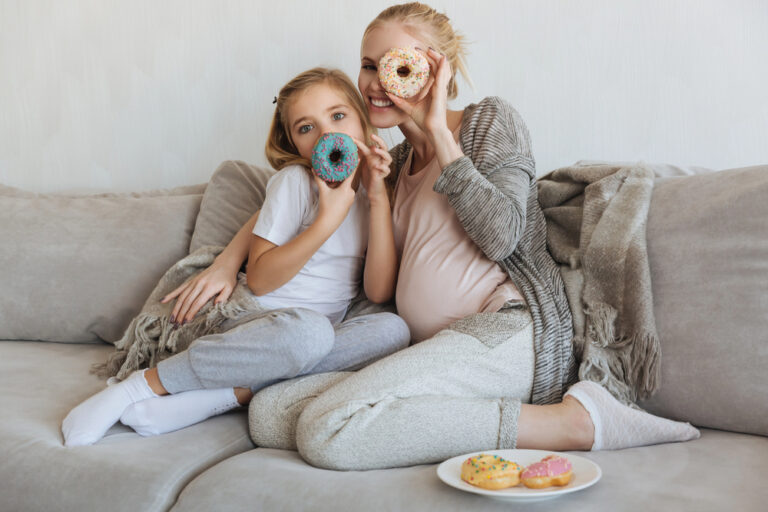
[(428, 109), (196, 292), (376, 169)]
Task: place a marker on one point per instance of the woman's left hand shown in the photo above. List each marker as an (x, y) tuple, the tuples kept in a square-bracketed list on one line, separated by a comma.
[(430, 107), (376, 161)]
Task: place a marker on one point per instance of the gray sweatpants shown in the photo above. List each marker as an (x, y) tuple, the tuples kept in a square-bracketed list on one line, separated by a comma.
[(264, 347), (457, 392)]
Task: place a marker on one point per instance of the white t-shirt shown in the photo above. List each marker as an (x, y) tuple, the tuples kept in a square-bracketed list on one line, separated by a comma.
[(331, 277)]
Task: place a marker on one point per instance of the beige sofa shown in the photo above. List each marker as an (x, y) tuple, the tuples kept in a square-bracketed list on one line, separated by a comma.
[(75, 269)]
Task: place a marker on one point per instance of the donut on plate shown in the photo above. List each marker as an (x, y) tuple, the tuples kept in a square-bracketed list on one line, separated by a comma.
[(549, 471), (334, 157), (403, 71), (490, 472)]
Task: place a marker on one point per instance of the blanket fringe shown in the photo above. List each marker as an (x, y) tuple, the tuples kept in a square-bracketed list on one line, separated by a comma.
[(628, 367), (151, 338)]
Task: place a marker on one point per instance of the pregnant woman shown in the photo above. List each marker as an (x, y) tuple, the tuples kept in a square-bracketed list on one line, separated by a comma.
[(477, 287)]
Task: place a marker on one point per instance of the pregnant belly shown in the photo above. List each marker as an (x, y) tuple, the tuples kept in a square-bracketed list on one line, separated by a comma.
[(432, 293)]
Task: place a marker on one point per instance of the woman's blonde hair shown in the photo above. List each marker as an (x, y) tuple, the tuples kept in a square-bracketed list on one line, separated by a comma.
[(439, 35), (280, 149)]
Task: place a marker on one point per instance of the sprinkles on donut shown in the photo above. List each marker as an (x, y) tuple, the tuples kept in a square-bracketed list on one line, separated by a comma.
[(490, 472), (403, 71), (334, 157)]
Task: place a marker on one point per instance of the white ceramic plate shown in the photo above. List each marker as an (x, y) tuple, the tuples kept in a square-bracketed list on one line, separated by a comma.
[(585, 473)]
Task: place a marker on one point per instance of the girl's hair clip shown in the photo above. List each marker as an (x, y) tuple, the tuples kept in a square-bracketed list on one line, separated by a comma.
[(274, 100)]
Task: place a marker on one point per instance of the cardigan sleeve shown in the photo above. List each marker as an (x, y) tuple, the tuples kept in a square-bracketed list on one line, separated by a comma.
[(491, 203)]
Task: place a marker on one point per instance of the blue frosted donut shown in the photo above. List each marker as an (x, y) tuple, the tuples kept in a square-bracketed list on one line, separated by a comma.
[(334, 157)]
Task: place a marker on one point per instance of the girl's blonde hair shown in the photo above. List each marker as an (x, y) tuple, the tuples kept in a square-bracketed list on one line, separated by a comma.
[(439, 35), (280, 149)]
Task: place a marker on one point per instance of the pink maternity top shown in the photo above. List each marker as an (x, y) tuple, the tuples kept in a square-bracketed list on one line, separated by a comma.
[(443, 275)]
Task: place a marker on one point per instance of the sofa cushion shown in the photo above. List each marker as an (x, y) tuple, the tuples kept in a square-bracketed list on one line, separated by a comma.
[(77, 268), (42, 382), (662, 475), (234, 193), (708, 253)]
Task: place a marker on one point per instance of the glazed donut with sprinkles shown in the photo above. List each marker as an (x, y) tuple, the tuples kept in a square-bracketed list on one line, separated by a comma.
[(403, 71), (334, 157), (490, 472)]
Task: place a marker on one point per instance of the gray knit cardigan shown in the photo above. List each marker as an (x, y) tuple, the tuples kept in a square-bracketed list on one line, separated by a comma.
[(494, 192)]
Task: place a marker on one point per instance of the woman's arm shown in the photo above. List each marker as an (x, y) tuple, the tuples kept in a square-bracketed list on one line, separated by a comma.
[(491, 205), (380, 274), (492, 208)]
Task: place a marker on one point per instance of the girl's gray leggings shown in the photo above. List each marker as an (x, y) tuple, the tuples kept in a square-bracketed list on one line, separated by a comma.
[(264, 347), (455, 393)]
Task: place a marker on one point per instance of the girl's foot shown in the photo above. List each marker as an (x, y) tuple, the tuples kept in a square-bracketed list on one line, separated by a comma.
[(618, 426), (172, 412), (89, 421)]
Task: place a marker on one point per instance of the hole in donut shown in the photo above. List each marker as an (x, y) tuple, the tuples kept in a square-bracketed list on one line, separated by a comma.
[(403, 71), (335, 156)]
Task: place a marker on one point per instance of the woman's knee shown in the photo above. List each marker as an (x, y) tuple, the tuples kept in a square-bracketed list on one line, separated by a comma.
[(317, 442)]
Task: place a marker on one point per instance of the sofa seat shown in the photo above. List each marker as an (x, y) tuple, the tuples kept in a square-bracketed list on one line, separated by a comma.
[(719, 471), (41, 382)]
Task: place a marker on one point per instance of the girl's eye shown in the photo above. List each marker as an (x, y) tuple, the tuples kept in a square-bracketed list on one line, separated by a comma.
[(369, 67), (305, 128), (338, 116)]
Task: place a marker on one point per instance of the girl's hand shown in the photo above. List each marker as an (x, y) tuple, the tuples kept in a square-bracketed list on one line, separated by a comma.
[(335, 201), (193, 294), (430, 107), (377, 160)]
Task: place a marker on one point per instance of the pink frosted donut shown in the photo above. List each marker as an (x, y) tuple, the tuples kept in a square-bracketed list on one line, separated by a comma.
[(551, 470), (403, 71)]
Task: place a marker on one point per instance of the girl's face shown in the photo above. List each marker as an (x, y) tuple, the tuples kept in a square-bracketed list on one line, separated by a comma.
[(383, 112), (318, 110)]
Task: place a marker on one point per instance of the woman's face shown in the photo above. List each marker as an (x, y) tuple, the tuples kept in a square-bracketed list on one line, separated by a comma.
[(383, 112)]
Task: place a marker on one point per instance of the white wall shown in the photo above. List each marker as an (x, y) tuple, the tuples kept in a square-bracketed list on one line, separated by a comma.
[(142, 94)]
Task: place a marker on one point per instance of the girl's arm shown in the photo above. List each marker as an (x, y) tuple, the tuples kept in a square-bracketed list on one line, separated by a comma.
[(270, 266), (380, 274), (219, 278)]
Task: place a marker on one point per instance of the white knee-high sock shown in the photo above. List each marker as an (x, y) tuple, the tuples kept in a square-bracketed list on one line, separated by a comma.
[(168, 413), (618, 426), (89, 421)]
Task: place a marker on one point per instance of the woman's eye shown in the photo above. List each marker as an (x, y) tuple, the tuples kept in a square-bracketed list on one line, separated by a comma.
[(369, 67), (305, 128), (338, 116)]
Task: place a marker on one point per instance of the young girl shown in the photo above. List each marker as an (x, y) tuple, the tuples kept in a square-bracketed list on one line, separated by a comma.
[(310, 246)]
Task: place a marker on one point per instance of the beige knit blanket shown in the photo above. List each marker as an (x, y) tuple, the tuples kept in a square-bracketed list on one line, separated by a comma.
[(596, 217), (150, 337)]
